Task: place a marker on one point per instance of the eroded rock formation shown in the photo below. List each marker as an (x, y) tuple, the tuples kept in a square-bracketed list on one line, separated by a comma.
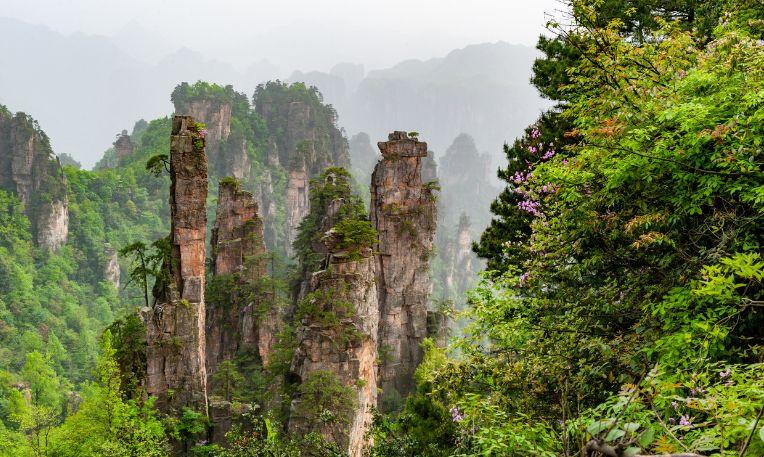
[(363, 157), (213, 113), (123, 147), (335, 362), (297, 204), (236, 316), (29, 170), (460, 257), (403, 212), (111, 265), (176, 373), (226, 149), (467, 178)]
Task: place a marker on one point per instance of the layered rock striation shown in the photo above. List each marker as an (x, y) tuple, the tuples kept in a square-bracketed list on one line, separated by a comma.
[(176, 355), (403, 211)]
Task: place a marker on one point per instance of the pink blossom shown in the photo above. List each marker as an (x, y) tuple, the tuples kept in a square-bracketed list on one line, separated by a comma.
[(530, 206), (684, 420)]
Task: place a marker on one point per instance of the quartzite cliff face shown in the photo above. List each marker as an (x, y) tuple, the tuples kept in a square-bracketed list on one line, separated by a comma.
[(403, 212), (176, 373), (29, 170), (236, 317)]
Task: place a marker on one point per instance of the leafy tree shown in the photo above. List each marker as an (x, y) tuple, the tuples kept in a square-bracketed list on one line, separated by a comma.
[(227, 379), (616, 315)]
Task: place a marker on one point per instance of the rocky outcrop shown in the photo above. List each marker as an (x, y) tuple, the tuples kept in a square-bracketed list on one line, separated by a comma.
[(123, 147), (429, 168), (236, 319), (266, 201), (362, 156), (214, 114), (467, 178), (297, 203), (437, 327), (460, 259), (226, 148), (52, 224), (29, 169), (176, 372), (304, 128), (403, 212), (111, 266), (335, 360)]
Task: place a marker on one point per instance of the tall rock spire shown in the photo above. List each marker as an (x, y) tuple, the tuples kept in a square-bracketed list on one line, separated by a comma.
[(29, 169), (335, 362), (236, 318), (404, 213), (176, 344)]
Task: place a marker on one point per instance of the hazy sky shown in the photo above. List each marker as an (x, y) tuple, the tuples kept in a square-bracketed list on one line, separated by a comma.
[(298, 34)]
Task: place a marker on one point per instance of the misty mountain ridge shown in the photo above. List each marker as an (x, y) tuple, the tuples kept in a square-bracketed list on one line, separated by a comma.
[(478, 89)]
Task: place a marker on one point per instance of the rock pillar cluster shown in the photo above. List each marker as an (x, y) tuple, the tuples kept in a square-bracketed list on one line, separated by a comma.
[(235, 318), (176, 373), (404, 213), (336, 358), (29, 170)]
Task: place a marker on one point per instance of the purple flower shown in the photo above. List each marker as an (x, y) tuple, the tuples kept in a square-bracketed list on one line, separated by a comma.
[(530, 206), (535, 133), (456, 415), (675, 404), (564, 161), (684, 420), (523, 277), (548, 155), (203, 133), (725, 374)]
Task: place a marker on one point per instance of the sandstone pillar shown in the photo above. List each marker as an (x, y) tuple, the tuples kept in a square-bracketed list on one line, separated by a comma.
[(235, 319), (336, 358), (403, 211), (176, 343)]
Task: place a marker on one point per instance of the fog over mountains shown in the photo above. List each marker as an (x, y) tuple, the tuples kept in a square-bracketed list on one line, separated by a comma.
[(87, 88)]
